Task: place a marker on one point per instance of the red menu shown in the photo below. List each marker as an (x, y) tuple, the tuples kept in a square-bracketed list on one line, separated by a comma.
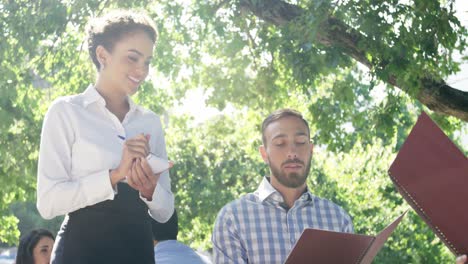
[(321, 246), (431, 173)]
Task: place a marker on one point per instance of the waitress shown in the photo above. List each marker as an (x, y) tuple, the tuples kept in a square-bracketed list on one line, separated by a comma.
[(92, 166)]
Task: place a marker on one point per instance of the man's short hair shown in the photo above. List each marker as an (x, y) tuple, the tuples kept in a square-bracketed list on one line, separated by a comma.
[(278, 114), (165, 231)]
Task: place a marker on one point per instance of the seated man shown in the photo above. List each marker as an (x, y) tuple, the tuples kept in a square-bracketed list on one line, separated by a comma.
[(263, 226), (167, 250)]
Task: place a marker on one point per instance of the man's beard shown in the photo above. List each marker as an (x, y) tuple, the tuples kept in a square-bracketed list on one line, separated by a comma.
[(293, 179)]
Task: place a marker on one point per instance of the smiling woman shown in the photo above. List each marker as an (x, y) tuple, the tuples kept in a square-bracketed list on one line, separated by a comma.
[(129, 59), (106, 187)]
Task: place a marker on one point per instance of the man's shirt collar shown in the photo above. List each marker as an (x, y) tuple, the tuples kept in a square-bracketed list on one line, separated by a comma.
[(266, 191)]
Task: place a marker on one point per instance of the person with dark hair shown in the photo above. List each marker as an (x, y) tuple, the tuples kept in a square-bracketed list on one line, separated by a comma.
[(167, 250), (263, 226), (35, 247), (92, 159)]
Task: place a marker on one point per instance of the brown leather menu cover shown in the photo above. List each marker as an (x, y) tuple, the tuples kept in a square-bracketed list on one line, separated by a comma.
[(431, 173), (321, 246)]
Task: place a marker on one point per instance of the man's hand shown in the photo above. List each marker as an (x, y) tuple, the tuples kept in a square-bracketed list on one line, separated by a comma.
[(461, 259), (141, 178)]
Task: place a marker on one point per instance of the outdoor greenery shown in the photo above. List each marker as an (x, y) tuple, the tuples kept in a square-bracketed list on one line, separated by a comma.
[(361, 71)]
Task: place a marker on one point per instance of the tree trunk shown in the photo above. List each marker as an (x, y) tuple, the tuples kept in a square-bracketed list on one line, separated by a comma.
[(433, 93)]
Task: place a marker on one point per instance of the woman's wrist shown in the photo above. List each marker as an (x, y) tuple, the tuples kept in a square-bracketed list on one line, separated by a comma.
[(147, 193), (115, 176)]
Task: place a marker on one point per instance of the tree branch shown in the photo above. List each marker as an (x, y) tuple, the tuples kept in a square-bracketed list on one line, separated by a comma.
[(435, 94)]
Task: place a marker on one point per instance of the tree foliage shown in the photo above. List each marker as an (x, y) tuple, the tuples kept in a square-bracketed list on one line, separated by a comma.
[(251, 57)]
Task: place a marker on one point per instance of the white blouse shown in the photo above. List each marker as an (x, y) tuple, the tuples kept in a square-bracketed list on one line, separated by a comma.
[(80, 143)]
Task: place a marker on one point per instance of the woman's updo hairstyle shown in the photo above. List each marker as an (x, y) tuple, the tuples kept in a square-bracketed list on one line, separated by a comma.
[(112, 27)]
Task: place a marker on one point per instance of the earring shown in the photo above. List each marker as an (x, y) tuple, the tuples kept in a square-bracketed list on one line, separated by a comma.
[(102, 66)]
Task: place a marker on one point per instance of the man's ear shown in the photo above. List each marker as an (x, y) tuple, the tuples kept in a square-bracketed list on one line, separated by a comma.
[(262, 151)]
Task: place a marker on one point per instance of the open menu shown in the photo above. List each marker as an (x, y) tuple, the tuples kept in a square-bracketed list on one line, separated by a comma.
[(321, 246), (431, 173)]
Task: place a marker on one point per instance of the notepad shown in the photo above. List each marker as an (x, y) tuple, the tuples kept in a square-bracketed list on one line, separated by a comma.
[(431, 174), (157, 164), (322, 246)]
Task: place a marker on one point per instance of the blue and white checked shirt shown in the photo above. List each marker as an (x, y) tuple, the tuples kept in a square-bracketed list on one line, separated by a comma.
[(256, 229)]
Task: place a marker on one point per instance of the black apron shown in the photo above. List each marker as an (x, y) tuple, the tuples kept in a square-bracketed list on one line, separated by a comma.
[(113, 231)]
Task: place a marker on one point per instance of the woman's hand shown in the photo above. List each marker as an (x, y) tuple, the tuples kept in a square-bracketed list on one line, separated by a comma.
[(133, 149), (141, 178)]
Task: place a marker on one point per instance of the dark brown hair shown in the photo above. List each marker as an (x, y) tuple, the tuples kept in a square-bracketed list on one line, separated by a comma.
[(278, 114), (112, 27), (27, 244)]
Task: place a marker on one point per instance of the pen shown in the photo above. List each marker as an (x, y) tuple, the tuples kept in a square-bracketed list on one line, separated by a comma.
[(123, 138)]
